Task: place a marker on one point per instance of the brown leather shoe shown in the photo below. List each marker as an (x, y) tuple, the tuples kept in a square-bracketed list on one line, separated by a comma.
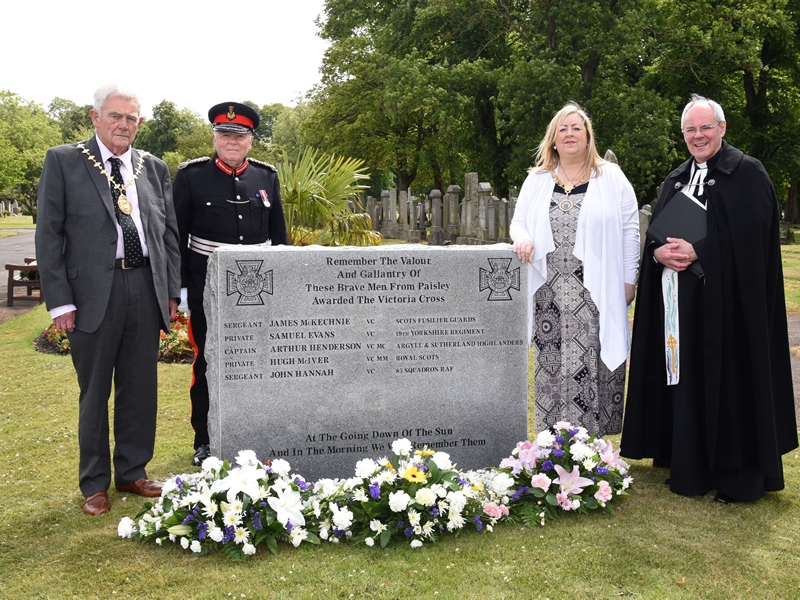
[(142, 487), (96, 504)]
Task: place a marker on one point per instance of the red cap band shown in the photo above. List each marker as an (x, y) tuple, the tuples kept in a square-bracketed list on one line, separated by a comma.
[(239, 119)]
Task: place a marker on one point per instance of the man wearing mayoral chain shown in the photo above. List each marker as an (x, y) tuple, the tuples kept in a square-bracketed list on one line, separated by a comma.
[(224, 200), (107, 250), (710, 388)]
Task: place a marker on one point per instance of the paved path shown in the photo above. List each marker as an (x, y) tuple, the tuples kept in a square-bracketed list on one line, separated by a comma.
[(15, 248)]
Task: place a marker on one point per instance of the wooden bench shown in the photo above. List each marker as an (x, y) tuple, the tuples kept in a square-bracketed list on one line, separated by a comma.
[(15, 281)]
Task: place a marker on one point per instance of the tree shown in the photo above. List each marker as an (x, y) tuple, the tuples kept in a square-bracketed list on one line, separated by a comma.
[(161, 134), (27, 131), (74, 121), (745, 56), (288, 132)]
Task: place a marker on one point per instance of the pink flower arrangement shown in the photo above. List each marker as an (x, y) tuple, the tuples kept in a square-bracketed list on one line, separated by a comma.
[(563, 470)]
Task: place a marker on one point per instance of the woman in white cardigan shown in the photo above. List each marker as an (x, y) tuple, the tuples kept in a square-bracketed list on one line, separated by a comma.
[(576, 223)]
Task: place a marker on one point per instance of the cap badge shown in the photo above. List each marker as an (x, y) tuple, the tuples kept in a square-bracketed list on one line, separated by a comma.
[(231, 115)]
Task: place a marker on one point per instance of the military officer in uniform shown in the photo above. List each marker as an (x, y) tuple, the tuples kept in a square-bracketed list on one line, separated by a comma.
[(219, 201)]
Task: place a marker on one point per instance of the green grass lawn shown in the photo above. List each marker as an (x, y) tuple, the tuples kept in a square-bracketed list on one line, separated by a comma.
[(17, 222), (658, 545), (791, 276)]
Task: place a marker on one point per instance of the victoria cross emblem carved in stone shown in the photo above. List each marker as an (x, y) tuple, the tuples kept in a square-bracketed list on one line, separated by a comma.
[(499, 280), (249, 283)]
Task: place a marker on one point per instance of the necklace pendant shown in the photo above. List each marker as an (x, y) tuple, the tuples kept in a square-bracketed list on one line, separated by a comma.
[(568, 187), (124, 205)]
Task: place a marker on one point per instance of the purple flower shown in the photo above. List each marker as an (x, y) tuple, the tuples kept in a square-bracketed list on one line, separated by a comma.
[(255, 519), (338, 532), (202, 530), (434, 512), (400, 524), (559, 439), (409, 531), (301, 483), (547, 465), (524, 489), (572, 432), (478, 523), (289, 526), (229, 534), (558, 452), (375, 490), (601, 471)]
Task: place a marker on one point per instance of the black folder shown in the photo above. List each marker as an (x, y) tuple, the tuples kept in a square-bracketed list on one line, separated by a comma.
[(681, 218)]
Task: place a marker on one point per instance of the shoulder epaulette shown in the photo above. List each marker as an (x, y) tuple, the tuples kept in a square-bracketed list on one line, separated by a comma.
[(194, 161), (262, 163)]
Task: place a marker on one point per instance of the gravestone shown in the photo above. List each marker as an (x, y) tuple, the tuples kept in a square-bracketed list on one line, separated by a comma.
[(324, 356)]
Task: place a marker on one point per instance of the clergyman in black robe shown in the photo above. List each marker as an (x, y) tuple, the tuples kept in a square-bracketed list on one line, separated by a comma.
[(710, 386)]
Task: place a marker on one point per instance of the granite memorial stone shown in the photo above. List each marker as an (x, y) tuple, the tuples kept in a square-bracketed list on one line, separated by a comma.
[(324, 356)]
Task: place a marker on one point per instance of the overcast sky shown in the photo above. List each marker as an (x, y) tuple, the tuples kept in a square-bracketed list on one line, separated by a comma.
[(195, 54)]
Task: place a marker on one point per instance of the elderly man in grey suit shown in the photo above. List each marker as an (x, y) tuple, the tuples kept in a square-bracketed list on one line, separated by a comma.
[(107, 250)]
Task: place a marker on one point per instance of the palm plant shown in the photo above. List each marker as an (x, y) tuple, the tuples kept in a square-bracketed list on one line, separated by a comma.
[(321, 203)]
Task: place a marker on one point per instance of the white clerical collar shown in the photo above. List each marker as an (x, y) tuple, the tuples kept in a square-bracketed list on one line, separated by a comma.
[(697, 180)]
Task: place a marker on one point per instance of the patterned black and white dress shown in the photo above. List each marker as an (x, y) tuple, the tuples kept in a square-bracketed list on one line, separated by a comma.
[(571, 382)]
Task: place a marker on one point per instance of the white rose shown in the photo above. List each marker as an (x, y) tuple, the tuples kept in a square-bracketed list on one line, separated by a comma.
[(580, 451), (125, 527), (366, 468), (212, 464), (456, 501), (442, 460), (248, 549), (398, 500), (216, 533), (369, 542), (281, 467), (402, 447), (184, 542), (501, 483), (425, 497), (416, 544), (545, 439), (195, 546), (246, 458), (342, 517)]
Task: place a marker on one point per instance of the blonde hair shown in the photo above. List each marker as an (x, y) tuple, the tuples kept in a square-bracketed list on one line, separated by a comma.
[(547, 155)]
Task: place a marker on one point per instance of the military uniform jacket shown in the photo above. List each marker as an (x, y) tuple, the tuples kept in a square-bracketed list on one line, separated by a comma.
[(224, 208)]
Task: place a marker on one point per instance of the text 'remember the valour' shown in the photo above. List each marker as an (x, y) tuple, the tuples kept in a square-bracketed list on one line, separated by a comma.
[(107, 248), (710, 388), (576, 224), (227, 199)]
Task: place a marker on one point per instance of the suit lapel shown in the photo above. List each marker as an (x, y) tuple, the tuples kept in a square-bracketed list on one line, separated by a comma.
[(143, 188), (100, 181)]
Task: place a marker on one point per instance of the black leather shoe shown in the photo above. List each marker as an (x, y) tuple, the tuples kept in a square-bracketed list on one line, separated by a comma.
[(723, 498), (203, 452)]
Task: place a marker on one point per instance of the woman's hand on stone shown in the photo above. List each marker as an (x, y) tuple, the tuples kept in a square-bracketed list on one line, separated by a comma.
[(524, 250)]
